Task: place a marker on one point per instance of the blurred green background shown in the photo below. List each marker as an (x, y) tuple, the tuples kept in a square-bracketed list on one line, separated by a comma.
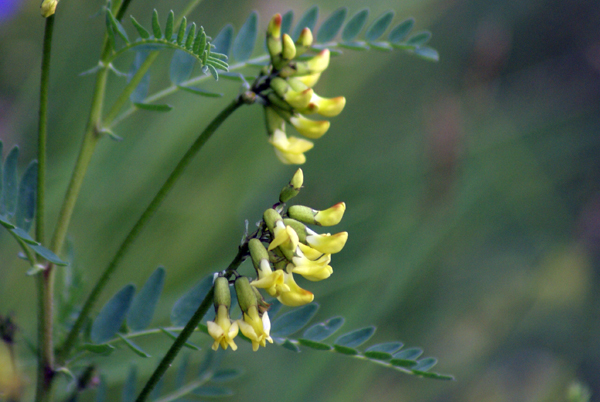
[(472, 188)]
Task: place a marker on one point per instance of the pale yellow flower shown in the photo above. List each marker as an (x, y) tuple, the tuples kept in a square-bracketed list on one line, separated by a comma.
[(223, 330)]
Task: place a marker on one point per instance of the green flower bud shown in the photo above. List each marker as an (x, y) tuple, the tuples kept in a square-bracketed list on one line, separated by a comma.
[(222, 294), (329, 217), (293, 188), (274, 44), (299, 228), (48, 8), (258, 252), (245, 294), (270, 217), (304, 41)]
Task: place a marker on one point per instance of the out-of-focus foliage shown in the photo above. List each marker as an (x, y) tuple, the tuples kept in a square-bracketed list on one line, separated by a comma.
[(472, 188)]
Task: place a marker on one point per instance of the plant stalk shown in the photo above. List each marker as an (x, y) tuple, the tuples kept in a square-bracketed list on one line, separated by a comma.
[(139, 225), (45, 367), (189, 328)]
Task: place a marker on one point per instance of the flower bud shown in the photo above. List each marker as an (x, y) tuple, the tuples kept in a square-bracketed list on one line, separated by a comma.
[(274, 44), (48, 8), (293, 188), (270, 216), (273, 120), (222, 295), (309, 128), (304, 41), (317, 64), (309, 80), (329, 217), (298, 227), (245, 294), (328, 107), (289, 49), (295, 99), (258, 252)]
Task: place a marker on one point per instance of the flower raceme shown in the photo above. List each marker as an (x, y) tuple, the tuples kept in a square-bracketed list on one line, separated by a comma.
[(289, 95), (282, 248)]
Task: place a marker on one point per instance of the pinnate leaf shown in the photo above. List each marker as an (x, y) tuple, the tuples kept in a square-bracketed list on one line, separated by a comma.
[(9, 201), (182, 66), (187, 304), (332, 25), (379, 26), (286, 22), (294, 320), (224, 375), (425, 364), (314, 344), (308, 20), (244, 42), (135, 348), (355, 338), (139, 28), (321, 331), (112, 315), (156, 25), (419, 39), (427, 53), (143, 305), (27, 197), (355, 25), (401, 31), (222, 41)]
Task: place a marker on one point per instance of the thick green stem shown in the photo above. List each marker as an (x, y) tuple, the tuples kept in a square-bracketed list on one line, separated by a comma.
[(189, 328), (128, 90), (45, 368), (144, 218), (173, 351)]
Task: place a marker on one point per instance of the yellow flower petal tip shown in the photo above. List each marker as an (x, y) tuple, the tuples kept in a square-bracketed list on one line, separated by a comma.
[(328, 107), (48, 8), (329, 244), (310, 128), (331, 216)]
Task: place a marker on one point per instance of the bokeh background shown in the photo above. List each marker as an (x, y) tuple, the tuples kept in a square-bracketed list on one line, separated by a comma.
[(472, 188)]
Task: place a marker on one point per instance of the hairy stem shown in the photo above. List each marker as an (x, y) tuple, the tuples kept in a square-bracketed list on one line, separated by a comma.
[(173, 351), (45, 366), (139, 225), (189, 328)]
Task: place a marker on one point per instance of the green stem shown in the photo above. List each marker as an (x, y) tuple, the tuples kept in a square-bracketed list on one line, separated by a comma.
[(45, 367), (189, 328), (128, 90), (144, 218), (174, 88), (176, 347)]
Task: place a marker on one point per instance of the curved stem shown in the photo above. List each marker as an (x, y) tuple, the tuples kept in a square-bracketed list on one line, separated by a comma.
[(144, 218), (173, 351), (189, 328), (174, 88), (45, 368)]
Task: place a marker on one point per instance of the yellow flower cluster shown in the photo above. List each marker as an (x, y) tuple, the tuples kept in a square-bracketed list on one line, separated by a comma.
[(296, 249), (291, 248), (290, 96)]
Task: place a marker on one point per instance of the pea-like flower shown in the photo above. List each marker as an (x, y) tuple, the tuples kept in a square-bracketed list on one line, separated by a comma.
[(223, 330), (296, 296), (256, 328), (271, 281), (289, 94)]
